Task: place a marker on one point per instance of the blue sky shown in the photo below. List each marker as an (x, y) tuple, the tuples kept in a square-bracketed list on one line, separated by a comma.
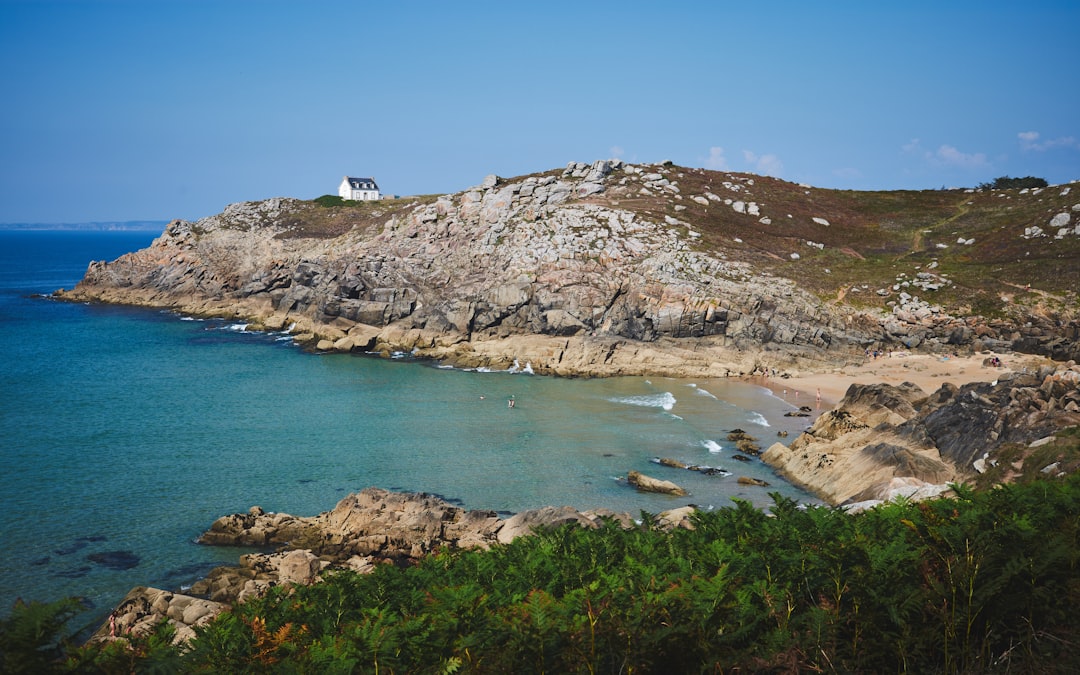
[(160, 109)]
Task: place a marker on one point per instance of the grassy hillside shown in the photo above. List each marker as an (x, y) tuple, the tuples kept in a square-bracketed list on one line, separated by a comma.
[(875, 238)]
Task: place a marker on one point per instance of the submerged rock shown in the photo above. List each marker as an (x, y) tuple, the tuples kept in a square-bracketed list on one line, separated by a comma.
[(747, 480), (115, 560)]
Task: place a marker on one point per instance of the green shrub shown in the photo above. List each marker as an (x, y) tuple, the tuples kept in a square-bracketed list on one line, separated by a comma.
[(983, 582), (328, 201), (1007, 183), (33, 637)]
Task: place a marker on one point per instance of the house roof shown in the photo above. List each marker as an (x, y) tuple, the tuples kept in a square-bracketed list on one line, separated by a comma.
[(362, 183)]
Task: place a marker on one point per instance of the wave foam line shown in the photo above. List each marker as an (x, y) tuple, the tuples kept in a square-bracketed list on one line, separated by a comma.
[(665, 400)]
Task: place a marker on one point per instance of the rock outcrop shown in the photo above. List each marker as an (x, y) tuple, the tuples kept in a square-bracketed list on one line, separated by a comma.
[(363, 530), (881, 434), (143, 608), (389, 525)]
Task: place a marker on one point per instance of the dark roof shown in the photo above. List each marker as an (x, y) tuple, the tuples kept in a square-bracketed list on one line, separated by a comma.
[(362, 183)]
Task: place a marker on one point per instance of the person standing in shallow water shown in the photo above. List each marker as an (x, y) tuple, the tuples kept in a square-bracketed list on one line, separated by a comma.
[(510, 403)]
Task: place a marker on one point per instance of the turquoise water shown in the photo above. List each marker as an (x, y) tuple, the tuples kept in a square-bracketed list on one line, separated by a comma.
[(131, 430)]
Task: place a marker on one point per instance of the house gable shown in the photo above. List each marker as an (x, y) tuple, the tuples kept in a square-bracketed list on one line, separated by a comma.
[(358, 189)]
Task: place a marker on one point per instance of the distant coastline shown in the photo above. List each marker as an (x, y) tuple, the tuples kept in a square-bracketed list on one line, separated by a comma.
[(105, 226)]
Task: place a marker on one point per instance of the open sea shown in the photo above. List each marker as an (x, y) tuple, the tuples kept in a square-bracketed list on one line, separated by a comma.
[(127, 431)]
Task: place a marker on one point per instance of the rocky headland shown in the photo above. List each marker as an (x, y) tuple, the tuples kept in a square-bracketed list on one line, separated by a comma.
[(612, 269)]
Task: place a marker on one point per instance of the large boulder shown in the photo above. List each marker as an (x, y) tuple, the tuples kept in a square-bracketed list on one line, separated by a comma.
[(650, 484), (526, 522)]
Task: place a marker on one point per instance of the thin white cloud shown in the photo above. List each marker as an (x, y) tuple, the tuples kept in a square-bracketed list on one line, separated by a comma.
[(947, 154), (766, 165), (616, 152), (1029, 141), (911, 146), (716, 159)]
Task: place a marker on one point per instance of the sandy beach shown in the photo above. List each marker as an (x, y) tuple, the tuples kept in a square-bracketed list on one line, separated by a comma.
[(928, 371)]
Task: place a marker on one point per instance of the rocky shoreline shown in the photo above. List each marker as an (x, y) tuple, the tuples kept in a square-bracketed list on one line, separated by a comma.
[(369, 528), (888, 440)]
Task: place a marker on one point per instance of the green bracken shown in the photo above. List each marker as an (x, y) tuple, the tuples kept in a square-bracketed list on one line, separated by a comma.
[(982, 582)]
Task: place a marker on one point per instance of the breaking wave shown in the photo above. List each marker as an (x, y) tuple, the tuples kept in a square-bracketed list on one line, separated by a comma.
[(758, 419), (665, 400)]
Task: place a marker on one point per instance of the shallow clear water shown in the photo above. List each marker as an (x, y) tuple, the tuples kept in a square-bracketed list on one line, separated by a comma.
[(130, 429)]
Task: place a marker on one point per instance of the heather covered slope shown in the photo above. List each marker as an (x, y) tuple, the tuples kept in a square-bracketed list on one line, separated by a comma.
[(611, 268)]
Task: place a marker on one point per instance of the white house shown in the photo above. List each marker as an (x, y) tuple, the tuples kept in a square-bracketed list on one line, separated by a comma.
[(358, 189)]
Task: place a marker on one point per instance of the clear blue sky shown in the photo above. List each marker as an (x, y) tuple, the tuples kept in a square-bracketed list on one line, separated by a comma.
[(160, 109)]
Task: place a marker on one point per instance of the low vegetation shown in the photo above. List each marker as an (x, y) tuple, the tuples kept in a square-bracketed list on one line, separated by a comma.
[(875, 240), (983, 582), (1007, 183)]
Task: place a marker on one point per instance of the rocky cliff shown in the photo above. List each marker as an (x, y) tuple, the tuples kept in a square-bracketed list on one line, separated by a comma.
[(884, 440), (597, 269)]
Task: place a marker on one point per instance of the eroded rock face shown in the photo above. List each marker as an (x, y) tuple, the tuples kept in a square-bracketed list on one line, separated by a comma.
[(881, 434)]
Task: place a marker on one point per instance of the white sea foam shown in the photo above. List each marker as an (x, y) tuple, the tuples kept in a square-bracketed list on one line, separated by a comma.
[(758, 419), (711, 445), (705, 393), (236, 327), (517, 368), (665, 400)]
